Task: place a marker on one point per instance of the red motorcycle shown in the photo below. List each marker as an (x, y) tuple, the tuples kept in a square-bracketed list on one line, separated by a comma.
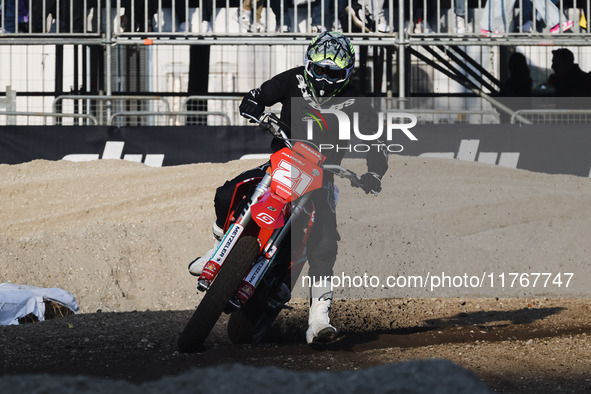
[(249, 274)]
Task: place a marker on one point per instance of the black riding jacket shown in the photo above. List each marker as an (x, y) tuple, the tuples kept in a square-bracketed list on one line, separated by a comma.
[(291, 84)]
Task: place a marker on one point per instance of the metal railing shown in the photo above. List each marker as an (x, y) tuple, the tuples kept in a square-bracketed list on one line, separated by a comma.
[(113, 25), (9, 104), (281, 21), (77, 119), (553, 116), (452, 116), (102, 107), (190, 117), (217, 103), (171, 118), (228, 105)]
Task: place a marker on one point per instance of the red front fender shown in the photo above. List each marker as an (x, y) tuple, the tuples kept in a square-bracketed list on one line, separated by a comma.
[(269, 211)]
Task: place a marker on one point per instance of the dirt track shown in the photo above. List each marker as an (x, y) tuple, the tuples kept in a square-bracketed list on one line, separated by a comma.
[(119, 236), (514, 346)]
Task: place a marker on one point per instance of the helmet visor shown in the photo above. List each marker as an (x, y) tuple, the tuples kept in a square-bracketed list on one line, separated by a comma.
[(325, 72)]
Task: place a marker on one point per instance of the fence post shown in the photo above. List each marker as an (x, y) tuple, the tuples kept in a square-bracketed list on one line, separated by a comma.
[(9, 104)]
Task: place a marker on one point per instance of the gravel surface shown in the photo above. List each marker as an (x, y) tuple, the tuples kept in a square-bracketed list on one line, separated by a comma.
[(119, 235), (513, 346)]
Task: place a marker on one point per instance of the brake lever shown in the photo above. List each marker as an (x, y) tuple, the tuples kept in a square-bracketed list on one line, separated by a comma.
[(269, 123), (249, 116), (356, 181)]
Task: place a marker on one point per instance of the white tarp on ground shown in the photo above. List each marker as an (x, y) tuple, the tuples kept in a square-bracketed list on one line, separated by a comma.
[(18, 301)]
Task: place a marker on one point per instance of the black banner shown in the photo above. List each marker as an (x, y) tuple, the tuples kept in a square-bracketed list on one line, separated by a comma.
[(556, 149), (548, 148), (166, 146)]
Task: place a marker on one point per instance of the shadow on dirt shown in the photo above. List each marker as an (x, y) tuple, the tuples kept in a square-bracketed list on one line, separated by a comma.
[(498, 318), (110, 344), (495, 325)]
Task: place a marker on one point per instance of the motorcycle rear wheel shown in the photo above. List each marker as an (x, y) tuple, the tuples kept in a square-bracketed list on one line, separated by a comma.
[(217, 296)]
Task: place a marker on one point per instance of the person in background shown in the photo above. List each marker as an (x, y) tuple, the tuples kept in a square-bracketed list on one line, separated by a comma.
[(140, 14), (320, 15), (550, 16), (281, 11), (180, 13), (244, 16), (9, 20), (519, 83), (460, 12), (428, 9), (364, 14), (568, 80), (65, 22), (497, 17)]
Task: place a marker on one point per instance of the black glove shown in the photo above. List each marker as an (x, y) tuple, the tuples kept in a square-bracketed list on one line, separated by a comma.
[(371, 183), (251, 106)]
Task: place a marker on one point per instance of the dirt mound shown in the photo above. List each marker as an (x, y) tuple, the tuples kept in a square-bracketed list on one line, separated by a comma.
[(119, 235)]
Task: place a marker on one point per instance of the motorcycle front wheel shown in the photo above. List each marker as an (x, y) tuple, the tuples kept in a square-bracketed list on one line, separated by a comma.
[(219, 293), (240, 328)]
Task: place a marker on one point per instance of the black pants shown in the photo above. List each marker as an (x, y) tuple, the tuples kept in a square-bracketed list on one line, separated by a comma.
[(36, 16), (180, 8), (142, 13), (322, 244)]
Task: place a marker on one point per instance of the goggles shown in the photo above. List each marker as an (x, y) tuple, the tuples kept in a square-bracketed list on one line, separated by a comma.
[(327, 73)]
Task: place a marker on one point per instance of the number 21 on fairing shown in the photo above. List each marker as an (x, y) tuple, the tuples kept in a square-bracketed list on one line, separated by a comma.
[(292, 177)]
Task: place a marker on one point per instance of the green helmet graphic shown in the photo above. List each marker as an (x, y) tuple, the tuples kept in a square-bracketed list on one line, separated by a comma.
[(329, 62)]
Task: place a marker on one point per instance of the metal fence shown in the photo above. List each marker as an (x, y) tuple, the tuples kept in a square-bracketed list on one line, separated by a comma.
[(553, 116), (45, 119), (243, 20), (123, 111), (133, 37), (103, 108), (454, 116), (159, 118), (8, 103)]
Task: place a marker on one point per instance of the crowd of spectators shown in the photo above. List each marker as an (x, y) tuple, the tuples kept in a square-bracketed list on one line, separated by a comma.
[(423, 16)]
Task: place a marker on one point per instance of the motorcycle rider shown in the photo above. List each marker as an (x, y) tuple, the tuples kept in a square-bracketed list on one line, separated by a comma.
[(323, 81)]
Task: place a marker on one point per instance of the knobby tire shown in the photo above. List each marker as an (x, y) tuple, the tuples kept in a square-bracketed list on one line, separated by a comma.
[(217, 296), (240, 328), (242, 322), (251, 323)]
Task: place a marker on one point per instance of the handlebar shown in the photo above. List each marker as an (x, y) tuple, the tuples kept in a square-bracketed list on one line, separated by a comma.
[(343, 172), (271, 123)]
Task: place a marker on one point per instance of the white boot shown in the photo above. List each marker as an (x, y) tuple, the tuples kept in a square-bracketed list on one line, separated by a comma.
[(196, 266), (243, 18), (319, 328), (460, 25)]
